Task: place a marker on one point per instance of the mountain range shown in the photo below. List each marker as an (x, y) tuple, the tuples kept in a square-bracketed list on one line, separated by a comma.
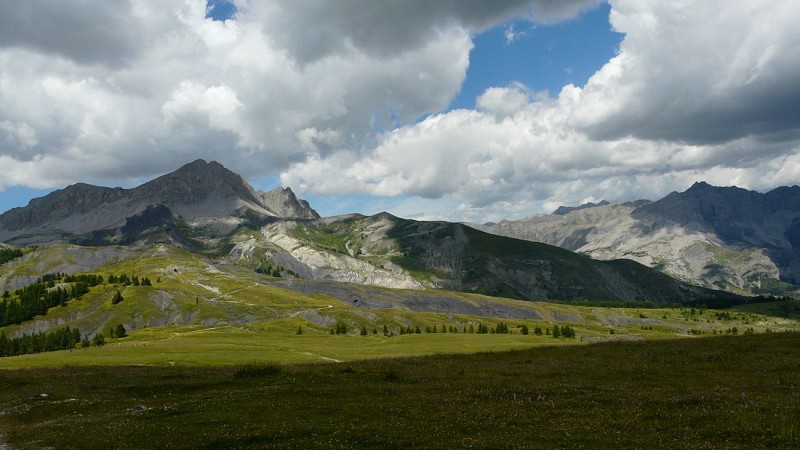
[(721, 237), (207, 209), (198, 195)]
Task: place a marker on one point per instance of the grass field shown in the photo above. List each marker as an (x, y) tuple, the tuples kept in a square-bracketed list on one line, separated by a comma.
[(710, 392), (274, 339)]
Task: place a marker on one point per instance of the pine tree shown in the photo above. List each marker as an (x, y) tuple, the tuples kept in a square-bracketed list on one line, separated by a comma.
[(117, 298), (99, 340), (556, 332)]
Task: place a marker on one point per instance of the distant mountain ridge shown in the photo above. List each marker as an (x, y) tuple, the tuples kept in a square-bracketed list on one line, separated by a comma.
[(721, 237), (562, 210), (195, 191), (205, 208)]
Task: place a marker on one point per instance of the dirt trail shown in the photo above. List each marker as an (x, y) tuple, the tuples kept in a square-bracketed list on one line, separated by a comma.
[(325, 358), (227, 294)]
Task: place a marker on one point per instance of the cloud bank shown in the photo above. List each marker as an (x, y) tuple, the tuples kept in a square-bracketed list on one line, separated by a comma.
[(328, 96)]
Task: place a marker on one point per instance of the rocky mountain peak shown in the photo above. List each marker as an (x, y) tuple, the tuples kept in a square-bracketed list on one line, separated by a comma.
[(698, 185), (283, 202), (195, 182)]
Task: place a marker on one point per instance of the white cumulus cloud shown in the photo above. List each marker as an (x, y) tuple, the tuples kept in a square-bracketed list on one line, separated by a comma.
[(700, 90), (328, 95)]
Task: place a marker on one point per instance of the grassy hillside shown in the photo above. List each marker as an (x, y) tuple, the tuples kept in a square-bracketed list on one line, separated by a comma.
[(724, 392), (201, 312)]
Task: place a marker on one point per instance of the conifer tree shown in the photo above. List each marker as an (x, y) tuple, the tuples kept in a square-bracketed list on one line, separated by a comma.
[(99, 340)]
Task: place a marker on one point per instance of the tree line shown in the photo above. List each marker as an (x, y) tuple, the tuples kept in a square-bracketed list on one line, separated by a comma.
[(30, 301), (36, 299), (62, 339), (66, 338), (566, 331), (9, 254)]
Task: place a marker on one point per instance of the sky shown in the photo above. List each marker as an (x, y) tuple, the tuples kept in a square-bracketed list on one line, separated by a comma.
[(469, 110)]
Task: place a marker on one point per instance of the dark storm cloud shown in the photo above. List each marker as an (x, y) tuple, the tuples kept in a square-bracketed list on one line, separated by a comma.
[(696, 76), (389, 27), (85, 31)]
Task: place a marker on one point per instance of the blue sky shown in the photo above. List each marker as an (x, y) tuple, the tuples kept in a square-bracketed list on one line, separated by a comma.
[(542, 57), (454, 109)]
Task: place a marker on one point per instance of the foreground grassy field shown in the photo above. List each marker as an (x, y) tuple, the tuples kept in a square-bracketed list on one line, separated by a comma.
[(709, 392)]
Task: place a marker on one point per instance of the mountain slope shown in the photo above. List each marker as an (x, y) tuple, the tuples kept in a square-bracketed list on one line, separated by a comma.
[(739, 218), (726, 238), (199, 194), (388, 251)]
